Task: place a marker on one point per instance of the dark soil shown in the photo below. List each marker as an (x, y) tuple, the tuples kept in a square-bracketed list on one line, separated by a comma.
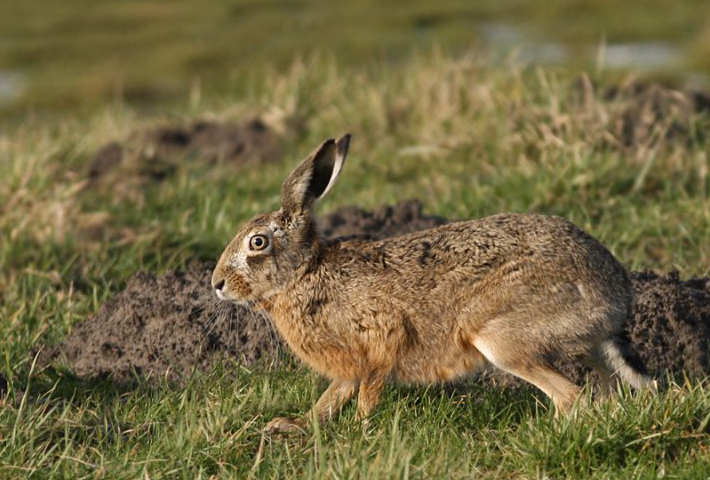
[(654, 110), (172, 325), (670, 329), (167, 325), (386, 221), (126, 171), (154, 154), (641, 114)]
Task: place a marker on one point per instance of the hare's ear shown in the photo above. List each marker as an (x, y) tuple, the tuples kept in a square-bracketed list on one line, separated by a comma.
[(314, 176)]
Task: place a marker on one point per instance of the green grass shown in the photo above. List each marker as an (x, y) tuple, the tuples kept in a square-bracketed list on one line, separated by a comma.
[(212, 429), (76, 54), (468, 137)]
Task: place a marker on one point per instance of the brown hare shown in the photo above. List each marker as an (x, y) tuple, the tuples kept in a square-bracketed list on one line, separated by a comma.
[(520, 291)]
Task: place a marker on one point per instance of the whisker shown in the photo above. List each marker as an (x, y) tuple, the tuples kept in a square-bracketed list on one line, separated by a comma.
[(214, 318), (273, 335)]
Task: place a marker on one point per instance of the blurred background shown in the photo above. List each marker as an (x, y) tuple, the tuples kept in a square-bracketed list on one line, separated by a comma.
[(76, 55)]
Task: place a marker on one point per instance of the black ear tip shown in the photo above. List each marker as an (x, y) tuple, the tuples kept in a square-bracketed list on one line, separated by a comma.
[(343, 143), (328, 144)]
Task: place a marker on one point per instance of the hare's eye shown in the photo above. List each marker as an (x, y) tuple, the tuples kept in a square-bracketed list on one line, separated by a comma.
[(259, 242)]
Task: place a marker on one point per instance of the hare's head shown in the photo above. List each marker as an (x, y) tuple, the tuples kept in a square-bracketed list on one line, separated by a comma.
[(272, 249)]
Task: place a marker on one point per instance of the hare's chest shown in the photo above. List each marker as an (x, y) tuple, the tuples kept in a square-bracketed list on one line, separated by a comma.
[(326, 351)]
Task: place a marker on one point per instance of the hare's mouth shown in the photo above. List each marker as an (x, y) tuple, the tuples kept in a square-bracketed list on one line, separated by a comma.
[(241, 303)]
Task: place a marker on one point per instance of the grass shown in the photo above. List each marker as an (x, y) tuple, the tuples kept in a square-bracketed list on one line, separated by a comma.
[(69, 57), (212, 429), (470, 138)]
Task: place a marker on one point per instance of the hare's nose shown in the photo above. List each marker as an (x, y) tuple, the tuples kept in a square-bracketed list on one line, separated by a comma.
[(219, 285)]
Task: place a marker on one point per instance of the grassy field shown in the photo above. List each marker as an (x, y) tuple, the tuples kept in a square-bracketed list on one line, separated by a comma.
[(471, 132), (72, 56), (468, 138)]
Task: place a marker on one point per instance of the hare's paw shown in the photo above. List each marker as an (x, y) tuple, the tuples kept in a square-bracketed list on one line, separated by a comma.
[(285, 425)]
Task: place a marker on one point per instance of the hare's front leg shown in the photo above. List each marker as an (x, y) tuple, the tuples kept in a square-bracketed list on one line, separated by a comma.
[(329, 403), (334, 397)]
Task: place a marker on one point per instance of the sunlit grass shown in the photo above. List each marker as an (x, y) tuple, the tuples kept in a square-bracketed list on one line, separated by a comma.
[(469, 139), (70, 429)]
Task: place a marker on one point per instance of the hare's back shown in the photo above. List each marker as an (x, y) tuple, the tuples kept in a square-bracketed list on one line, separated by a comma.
[(506, 248)]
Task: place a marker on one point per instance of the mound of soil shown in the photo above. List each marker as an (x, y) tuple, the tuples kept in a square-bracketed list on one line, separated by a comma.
[(152, 155), (386, 221), (637, 114), (167, 325), (125, 171), (650, 110), (172, 324), (670, 328)]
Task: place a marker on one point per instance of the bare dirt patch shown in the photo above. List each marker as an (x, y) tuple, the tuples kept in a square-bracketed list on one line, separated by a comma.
[(171, 325), (386, 221), (154, 154), (651, 112), (670, 328), (125, 171), (166, 326)]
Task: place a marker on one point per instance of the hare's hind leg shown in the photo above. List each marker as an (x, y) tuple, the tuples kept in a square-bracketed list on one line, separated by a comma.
[(608, 379), (531, 367), (624, 362), (614, 360)]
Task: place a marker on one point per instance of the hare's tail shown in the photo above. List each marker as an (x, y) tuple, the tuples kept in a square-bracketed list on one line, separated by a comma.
[(625, 363)]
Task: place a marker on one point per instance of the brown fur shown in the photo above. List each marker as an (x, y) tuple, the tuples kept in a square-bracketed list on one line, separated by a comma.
[(521, 291)]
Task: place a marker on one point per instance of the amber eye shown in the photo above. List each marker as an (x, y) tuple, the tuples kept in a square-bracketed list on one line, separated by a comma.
[(259, 242)]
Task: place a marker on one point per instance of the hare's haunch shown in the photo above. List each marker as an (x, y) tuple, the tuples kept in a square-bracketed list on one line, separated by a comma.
[(520, 291)]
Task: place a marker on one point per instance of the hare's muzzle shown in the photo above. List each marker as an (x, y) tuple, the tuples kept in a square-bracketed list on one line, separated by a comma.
[(218, 285)]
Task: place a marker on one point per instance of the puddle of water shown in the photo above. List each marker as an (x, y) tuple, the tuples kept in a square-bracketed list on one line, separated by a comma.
[(509, 38), (544, 52), (502, 34), (12, 84), (651, 55), (641, 55)]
